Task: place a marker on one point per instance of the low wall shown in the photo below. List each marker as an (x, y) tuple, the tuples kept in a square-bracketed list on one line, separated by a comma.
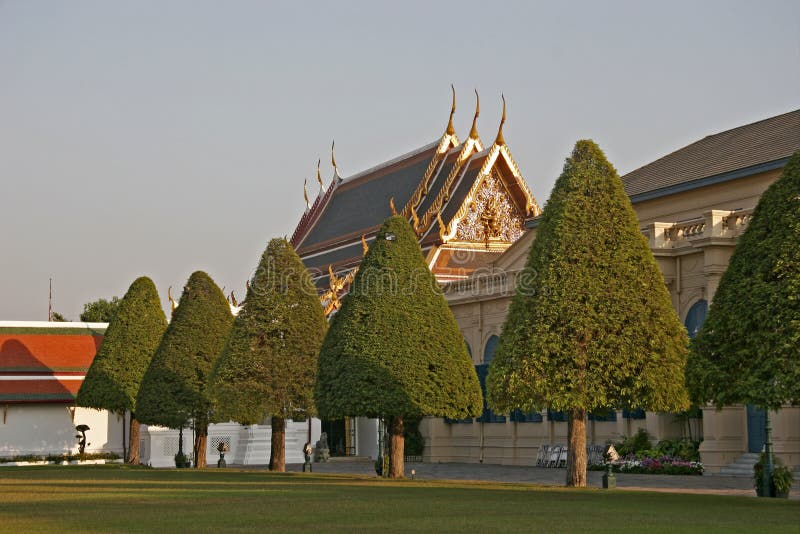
[(247, 445), (44, 429)]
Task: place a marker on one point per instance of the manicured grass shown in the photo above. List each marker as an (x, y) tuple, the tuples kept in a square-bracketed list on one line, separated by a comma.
[(119, 498)]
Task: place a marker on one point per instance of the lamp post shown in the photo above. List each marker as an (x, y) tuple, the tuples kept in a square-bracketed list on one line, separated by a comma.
[(768, 490), (609, 480)]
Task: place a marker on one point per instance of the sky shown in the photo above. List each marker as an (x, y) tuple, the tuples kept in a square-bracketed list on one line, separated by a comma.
[(159, 138)]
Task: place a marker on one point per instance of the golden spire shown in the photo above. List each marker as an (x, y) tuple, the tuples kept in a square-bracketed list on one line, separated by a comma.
[(172, 302), (500, 140), (450, 129), (391, 206), (474, 132), (333, 157), (319, 176), (305, 193), (364, 246)]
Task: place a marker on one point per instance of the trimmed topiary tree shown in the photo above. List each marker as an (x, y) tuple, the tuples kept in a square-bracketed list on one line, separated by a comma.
[(112, 381), (174, 388), (591, 326), (394, 349), (269, 365), (747, 351)]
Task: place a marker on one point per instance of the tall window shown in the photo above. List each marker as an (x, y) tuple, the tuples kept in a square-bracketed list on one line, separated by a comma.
[(491, 348), (482, 370), (696, 317)]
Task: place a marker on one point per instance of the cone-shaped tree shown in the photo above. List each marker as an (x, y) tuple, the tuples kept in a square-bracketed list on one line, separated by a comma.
[(591, 326), (269, 365), (394, 349), (175, 386), (748, 350), (112, 382)]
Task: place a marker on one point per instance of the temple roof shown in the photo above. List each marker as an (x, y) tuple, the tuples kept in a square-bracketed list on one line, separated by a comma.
[(444, 184), (762, 142), (358, 203), (44, 361)]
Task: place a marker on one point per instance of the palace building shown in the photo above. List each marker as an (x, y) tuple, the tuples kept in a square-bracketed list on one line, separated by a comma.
[(476, 219)]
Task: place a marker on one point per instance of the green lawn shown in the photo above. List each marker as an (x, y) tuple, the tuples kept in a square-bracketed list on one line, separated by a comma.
[(118, 498)]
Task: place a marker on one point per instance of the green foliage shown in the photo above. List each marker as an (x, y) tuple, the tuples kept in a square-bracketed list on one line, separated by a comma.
[(747, 350), (269, 365), (591, 326), (100, 310), (394, 348), (130, 341), (683, 448), (782, 477), (414, 442), (56, 317), (633, 444), (174, 388)]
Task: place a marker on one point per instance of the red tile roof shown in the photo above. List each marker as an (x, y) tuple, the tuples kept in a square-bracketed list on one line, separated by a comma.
[(45, 362)]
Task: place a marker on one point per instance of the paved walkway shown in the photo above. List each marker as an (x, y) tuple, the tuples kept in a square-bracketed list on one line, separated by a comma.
[(710, 484)]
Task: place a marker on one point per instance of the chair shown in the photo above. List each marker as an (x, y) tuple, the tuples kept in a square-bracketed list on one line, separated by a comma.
[(541, 457), (555, 453), (562, 457)]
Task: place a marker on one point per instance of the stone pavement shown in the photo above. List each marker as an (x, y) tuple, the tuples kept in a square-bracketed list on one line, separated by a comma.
[(710, 484)]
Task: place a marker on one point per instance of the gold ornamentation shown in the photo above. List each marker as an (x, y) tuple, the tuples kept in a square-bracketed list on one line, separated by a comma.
[(449, 140), (391, 206), (500, 140), (442, 227), (333, 157), (319, 175), (473, 133), (173, 304), (470, 146), (490, 215), (364, 246), (305, 193), (450, 129)]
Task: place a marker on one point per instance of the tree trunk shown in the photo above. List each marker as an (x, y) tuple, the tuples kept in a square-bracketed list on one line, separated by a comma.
[(133, 447), (200, 439), (124, 440), (396, 447), (576, 456), (277, 457)]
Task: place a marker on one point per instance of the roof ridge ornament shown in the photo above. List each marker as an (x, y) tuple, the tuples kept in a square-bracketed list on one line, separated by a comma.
[(450, 129), (333, 161), (364, 246), (305, 193), (391, 206), (500, 140), (473, 134), (319, 176)]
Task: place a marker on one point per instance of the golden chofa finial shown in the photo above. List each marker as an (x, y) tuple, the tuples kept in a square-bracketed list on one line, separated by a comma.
[(172, 303), (474, 132), (319, 175), (391, 206), (305, 193), (333, 157), (364, 246), (450, 129), (500, 140)]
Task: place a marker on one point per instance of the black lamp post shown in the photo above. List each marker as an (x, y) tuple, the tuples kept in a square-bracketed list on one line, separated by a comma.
[(769, 461)]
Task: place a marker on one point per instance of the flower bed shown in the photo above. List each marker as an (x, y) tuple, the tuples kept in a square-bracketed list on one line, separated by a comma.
[(61, 459), (663, 465)]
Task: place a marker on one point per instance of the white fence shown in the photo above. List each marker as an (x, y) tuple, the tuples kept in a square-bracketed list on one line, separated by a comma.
[(247, 445)]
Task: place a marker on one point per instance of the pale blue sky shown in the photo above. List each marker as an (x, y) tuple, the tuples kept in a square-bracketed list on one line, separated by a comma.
[(161, 137)]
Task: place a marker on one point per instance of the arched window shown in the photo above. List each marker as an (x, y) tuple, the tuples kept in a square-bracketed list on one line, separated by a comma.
[(696, 317), (489, 350)]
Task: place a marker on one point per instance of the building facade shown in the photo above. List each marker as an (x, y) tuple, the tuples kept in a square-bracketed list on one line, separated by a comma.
[(692, 205)]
